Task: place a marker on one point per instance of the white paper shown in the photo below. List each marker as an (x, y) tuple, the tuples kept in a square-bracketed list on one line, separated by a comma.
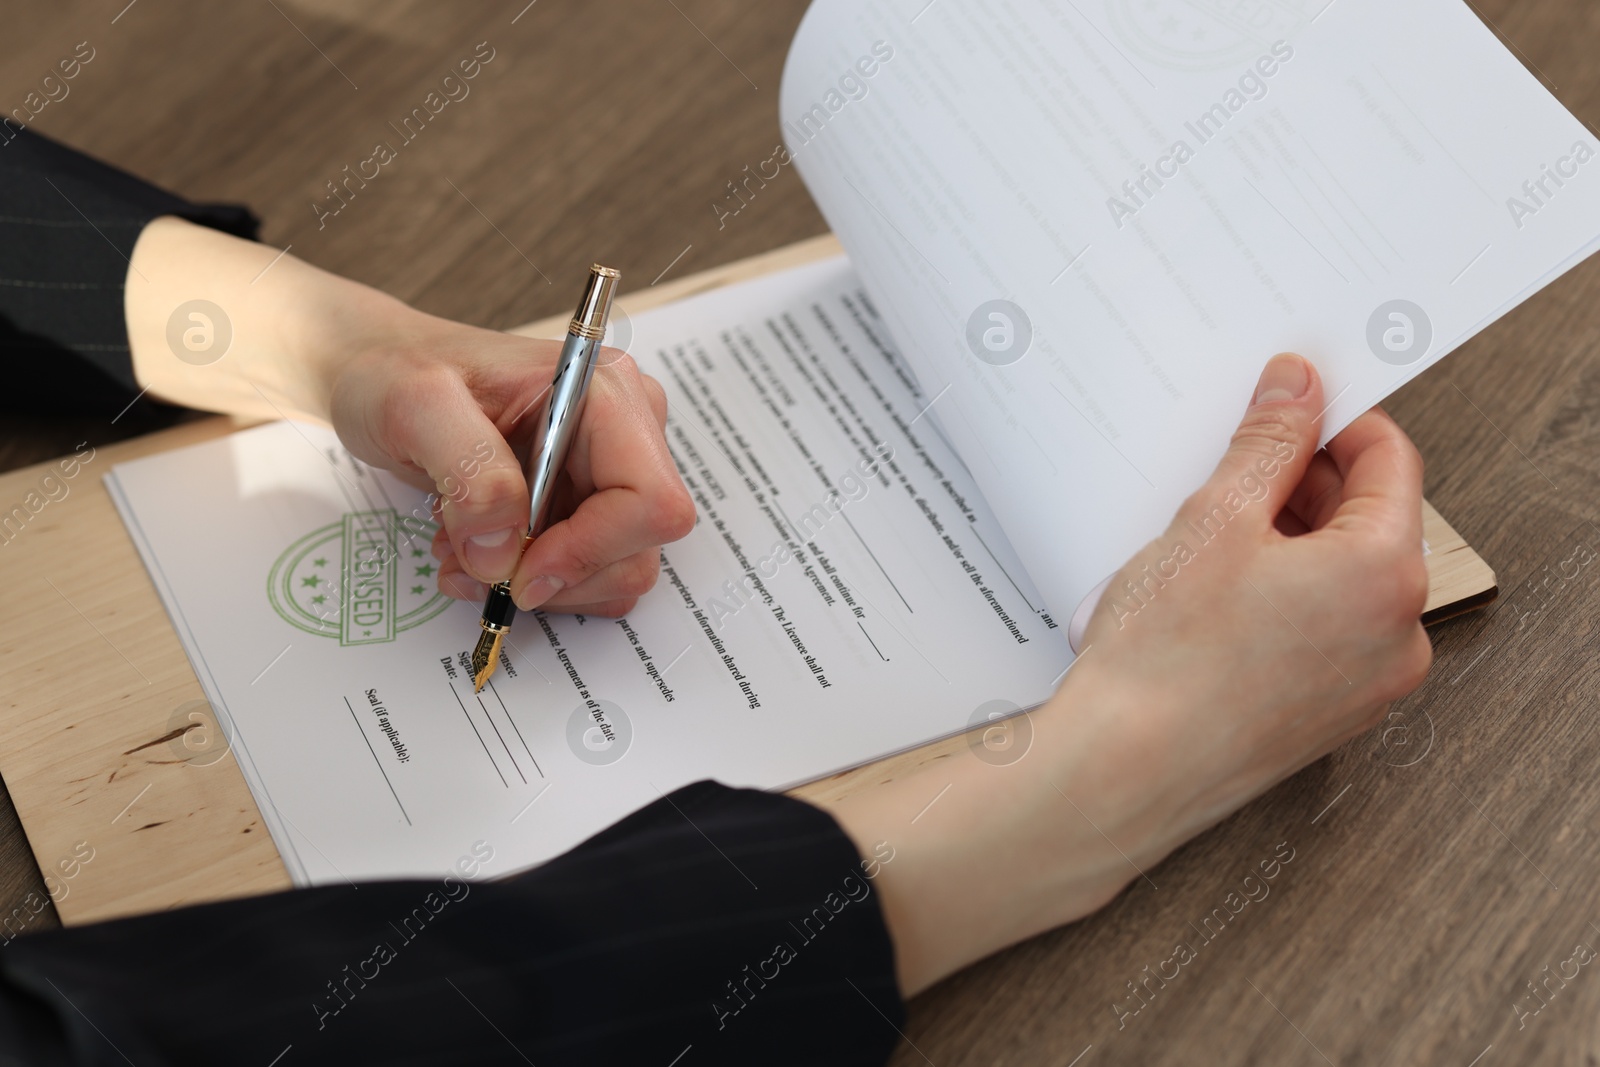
[(242, 533), (1383, 159)]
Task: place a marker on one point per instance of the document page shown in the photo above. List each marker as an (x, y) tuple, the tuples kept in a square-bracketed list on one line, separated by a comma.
[(845, 594), (1090, 223)]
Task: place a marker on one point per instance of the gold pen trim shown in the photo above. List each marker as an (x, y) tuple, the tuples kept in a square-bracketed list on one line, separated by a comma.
[(589, 321)]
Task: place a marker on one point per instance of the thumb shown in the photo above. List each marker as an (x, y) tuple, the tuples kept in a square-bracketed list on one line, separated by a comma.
[(1271, 449)]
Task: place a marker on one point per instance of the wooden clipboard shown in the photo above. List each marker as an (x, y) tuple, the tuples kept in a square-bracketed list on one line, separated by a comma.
[(96, 755)]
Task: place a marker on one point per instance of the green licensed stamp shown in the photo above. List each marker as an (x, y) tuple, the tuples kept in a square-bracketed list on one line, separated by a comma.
[(363, 579)]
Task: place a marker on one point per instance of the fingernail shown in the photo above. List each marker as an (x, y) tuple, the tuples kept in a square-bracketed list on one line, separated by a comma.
[(491, 556), (1287, 377), (463, 587), (538, 591)]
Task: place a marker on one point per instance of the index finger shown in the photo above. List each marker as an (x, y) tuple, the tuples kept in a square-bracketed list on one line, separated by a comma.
[(483, 491)]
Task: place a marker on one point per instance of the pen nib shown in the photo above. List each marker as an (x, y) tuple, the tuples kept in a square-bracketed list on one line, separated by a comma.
[(484, 656)]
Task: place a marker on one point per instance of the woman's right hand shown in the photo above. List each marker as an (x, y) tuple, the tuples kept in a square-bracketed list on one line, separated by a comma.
[(1274, 620)]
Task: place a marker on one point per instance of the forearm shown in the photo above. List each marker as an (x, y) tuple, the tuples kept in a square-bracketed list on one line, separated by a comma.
[(271, 345), (987, 855)]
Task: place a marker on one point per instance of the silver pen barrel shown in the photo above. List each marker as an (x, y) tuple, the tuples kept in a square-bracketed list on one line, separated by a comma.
[(562, 408), (556, 424)]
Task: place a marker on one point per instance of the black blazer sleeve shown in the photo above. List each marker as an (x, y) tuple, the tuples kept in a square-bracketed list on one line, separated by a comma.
[(68, 224), (716, 926)]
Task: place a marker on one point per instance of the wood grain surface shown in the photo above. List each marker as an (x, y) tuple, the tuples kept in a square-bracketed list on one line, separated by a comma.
[(1439, 865)]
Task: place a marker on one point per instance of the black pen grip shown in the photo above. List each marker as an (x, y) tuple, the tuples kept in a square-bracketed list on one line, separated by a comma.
[(498, 607)]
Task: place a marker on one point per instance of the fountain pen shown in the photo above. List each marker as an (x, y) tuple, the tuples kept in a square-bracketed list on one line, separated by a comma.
[(557, 424)]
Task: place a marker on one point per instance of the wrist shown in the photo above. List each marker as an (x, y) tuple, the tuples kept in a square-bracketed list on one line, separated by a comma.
[(282, 329), (986, 856), (1097, 785), (336, 324)]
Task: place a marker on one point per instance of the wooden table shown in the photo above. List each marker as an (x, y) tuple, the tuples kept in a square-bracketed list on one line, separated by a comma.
[(1438, 866)]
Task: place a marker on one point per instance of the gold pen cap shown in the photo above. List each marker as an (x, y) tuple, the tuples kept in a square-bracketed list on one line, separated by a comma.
[(595, 307)]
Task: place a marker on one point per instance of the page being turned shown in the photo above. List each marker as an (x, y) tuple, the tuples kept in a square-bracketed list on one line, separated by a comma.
[(1089, 224)]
